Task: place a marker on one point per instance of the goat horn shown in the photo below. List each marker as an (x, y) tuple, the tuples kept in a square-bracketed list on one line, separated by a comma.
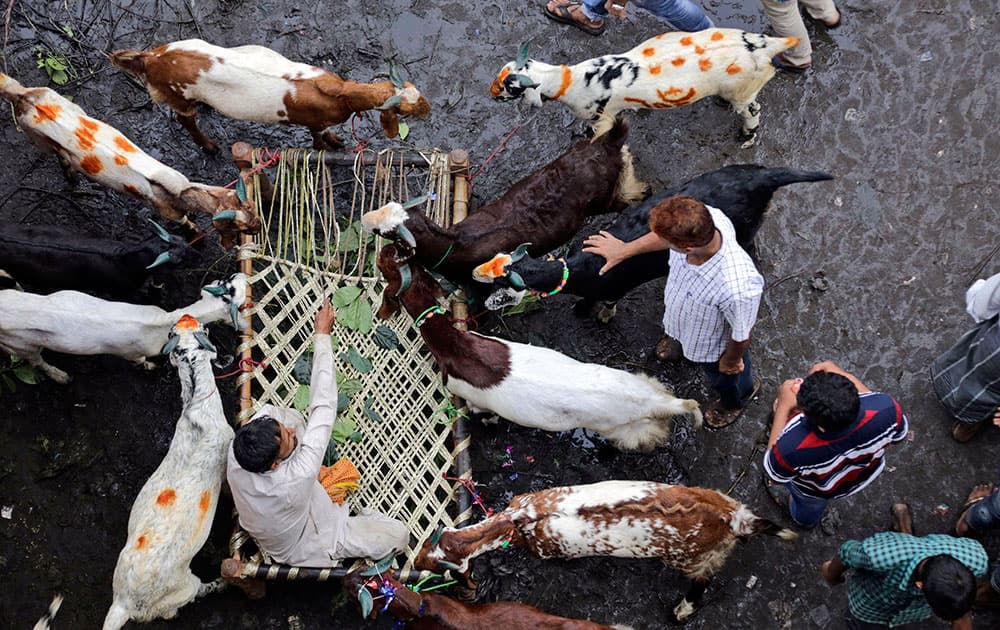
[(392, 101), (406, 277), (162, 258), (365, 599), (525, 81), (520, 252), (241, 190), (416, 201), (516, 281), (225, 215), (394, 76), (203, 341), (522, 56), (405, 234), (436, 536), (215, 290), (449, 565), (171, 344), (162, 233)]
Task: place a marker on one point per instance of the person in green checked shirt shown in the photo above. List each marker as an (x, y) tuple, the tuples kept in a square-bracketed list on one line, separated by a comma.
[(898, 578)]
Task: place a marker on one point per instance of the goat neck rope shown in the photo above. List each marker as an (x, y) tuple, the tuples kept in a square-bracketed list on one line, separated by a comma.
[(562, 283), (447, 252), (427, 314)]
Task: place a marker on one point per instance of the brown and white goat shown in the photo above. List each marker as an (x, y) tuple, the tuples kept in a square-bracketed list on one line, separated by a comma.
[(105, 155), (692, 530), (528, 385), (256, 83), (666, 71), (544, 209), (172, 515), (431, 611)]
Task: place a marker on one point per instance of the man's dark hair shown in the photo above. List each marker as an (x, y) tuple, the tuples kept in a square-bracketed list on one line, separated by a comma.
[(949, 586), (830, 401), (255, 444)]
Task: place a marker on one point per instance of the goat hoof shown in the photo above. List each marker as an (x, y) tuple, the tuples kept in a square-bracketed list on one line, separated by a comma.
[(606, 313), (749, 138), (57, 375), (682, 612), (210, 147)]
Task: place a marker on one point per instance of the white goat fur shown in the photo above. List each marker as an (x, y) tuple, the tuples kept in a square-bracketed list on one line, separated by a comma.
[(172, 515), (669, 70), (76, 323), (548, 390)]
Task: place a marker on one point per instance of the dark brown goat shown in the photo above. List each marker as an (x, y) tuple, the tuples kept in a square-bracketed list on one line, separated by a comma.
[(430, 611), (544, 209)]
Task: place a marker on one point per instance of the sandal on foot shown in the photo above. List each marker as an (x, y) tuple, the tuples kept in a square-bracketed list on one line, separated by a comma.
[(718, 417), (902, 518), (784, 65), (979, 492), (964, 431), (563, 15), (830, 27)]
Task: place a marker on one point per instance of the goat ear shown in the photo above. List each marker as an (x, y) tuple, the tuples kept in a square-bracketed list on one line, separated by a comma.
[(161, 259), (522, 56), (394, 76), (525, 81), (160, 231), (436, 536), (390, 122), (406, 277), (365, 599), (204, 342), (390, 303), (516, 281), (171, 345), (215, 290)]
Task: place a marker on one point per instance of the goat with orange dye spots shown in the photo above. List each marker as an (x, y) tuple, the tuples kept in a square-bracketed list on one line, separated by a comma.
[(692, 530), (172, 516), (256, 83), (428, 611), (103, 154), (729, 63)]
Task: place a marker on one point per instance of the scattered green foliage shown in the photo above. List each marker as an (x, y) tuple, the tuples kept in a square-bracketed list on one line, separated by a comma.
[(55, 64), (358, 362), (386, 338), (528, 304), (404, 130), (14, 370), (353, 309)]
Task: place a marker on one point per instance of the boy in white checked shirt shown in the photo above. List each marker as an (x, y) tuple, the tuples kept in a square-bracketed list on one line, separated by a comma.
[(711, 298)]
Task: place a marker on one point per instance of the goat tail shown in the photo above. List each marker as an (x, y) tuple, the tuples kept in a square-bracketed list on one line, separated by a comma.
[(775, 45), (745, 523), (10, 88), (117, 617), (695, 411), (775, 178), (50, 614), (629, 189), (133, 61)]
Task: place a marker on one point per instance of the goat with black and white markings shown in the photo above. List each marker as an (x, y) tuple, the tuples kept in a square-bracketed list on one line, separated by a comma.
[(692, 530), (666, 71), (76, 323), (741, 191), (44, 258), (172, 515)]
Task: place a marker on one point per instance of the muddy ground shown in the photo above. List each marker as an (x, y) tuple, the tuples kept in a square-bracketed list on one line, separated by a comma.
[(900, 106)]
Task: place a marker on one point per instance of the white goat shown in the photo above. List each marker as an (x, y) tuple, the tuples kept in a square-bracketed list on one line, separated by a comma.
[(172, 516), (669, 70), (102, 153), (45, 622), (76, 323)]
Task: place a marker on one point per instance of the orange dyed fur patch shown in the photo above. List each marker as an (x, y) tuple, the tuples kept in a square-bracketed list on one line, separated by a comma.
[(205, 502), (85, 134), (142, 542), (655, 69), (132, 189), (716, 36), (125, 145), (704, 64), (46, 112), (120, 160), (685, 41), (91, 164), (649, 52), (166, 498), (678, 61), (700, 50), (186, 323), (733, 69)]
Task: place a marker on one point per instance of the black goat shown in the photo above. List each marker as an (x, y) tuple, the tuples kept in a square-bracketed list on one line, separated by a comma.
[(547, 208), (46, 258), (741, 191)]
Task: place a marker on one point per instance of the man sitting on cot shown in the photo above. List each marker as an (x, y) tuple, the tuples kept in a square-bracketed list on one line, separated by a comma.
[(273, 476)]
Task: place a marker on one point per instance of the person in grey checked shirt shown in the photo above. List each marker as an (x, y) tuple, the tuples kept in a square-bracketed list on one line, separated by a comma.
[(710, 301)]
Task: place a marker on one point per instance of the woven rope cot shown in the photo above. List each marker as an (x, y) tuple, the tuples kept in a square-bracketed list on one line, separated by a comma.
[(298, 260)]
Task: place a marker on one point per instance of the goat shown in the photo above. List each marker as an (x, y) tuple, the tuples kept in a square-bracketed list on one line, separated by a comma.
[(741, 191), (669, 70), (99, 151), (546, 208), (531, 386), (45, 622), (692, 530), (172, 515), (75, 323), (256, 83), (50, 257), (431, 611)]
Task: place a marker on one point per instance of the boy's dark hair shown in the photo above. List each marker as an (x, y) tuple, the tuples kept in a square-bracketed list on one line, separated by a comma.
[(255, 444), (829, 401), (949, 587), (684, 221)]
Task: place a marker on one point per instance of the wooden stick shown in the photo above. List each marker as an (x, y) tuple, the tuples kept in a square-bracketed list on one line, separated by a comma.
[(243, 158)]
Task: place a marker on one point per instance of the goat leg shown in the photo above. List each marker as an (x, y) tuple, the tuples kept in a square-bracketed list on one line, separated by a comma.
[(606, 311), (190, 122), (232, 573), (36, 361), (750, 112), (72, 178), (215, 586), (326, 140), (687, 606)]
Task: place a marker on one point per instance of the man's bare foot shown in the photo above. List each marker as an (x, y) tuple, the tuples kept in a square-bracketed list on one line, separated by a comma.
[(980, 492), (902, 518)]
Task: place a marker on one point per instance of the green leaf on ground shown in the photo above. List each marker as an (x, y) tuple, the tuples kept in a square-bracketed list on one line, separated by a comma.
[(358, 362), (385, 337), (404, 130), (301, 400)]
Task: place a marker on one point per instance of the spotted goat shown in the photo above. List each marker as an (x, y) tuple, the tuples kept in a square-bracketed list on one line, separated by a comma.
[(692, 530), (172, 515), (76, 323), (528, 385), (431, 611), (102, 153), (256, 83), (545, 208), (666, 71)]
